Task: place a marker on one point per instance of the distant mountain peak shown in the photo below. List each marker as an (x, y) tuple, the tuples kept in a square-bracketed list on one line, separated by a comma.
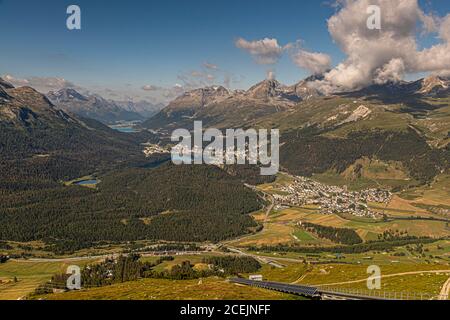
[(272, 89), (304, 88), (315, 77), (268, 88), (26, 107), (434, 85), (31, 96), (66, 94), (92, 106), (5, 84), (199, 98), (211, 91)]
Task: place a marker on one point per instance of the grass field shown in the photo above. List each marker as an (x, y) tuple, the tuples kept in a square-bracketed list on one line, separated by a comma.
[(167, 265), (364, 182), (157, 289), (437, 253), (29, 275), (281, 180), (367, 229), (423, 283), (281, 227), (438, 193), (272, 234), (304, 236), (413, 278), (336, 273)]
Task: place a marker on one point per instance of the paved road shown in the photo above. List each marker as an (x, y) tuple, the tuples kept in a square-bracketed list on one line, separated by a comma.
[(278, 286), (265, 260), (266, 195), (62, 259), (113, 255), (306, 291)]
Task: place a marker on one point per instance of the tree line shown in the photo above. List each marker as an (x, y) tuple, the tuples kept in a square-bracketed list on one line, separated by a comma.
[(349, 249), (337, 235), (131, 268)]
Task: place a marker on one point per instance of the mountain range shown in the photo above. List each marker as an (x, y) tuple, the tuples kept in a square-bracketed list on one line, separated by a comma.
[(98, 108), (45, 149), (269, 97), (403, 122), (432, 86), (397, 132), (39, 138), (407, 123), (217, 105)]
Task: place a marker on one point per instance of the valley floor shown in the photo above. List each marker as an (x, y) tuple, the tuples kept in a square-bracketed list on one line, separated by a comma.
[(422, 269)]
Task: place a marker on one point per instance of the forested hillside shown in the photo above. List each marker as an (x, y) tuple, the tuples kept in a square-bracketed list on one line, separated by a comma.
[(180, 203), (305, 153), (40, 142), (42, 148)]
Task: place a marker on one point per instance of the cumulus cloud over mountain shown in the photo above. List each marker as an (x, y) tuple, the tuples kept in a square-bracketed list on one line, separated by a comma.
[(42, 84), (265, 51), (314, 62), (379, 56), (373, 56)]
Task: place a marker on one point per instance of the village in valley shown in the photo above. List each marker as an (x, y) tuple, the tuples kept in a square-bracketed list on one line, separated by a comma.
[(303, 191), (152, 149), (330, 199)]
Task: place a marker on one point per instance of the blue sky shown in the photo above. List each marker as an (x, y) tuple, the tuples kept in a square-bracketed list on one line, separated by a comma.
[(128, 44)]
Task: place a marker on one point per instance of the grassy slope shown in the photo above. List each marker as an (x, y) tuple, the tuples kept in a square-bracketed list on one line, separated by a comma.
[(29, 274), (156, 289)]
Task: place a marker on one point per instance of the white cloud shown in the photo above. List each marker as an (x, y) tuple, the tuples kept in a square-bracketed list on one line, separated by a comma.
[(314, 62), (175, 91), (41, 84), (150, 87), (210, 66), (430, 23), (268, 52), (166, 93), (271, 75), (393, 71), (376, 56), (265, 51), (444, 29)]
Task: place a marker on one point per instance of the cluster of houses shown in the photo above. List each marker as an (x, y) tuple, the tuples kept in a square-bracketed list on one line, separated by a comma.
[(330, 199), (216, 156), (151, 149)]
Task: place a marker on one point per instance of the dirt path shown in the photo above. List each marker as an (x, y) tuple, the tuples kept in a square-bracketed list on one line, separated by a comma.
[(388, 276), (445, 292), (269, 209), (300, 279)]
